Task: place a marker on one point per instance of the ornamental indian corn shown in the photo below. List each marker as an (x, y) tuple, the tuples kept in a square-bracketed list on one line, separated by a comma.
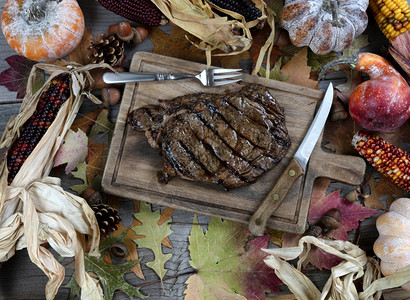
[(392, 16), (389, 160), (57, 92)]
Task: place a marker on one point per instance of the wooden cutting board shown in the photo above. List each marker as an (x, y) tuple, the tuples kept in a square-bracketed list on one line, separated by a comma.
[(132, 166)]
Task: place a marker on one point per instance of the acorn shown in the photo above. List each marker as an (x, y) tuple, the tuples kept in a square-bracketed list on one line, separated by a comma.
[(119, 250), (92, 196), (125, 31), (314, 230), (352, 195), (110, 96), (331, 220), (140, 34)]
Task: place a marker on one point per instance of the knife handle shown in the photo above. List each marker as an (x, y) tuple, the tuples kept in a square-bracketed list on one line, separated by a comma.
[(274, 198)]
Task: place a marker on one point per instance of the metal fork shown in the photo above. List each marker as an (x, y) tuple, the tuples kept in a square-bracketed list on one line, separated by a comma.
[(209, 77)]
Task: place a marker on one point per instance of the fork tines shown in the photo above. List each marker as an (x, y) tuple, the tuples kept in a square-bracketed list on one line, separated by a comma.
[(220, 74)]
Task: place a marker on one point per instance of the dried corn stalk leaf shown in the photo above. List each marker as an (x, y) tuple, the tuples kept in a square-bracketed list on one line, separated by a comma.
[(216, 32), (341, 284), (34, 208)]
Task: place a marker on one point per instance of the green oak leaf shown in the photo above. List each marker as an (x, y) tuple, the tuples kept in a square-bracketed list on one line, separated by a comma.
[(81, 173), (111, 277), (274, 72), (154, 234), (316, 61)]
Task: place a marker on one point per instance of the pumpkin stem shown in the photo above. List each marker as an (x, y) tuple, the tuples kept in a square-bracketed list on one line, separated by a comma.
[(331, 7), (350, 61), (37, 10)]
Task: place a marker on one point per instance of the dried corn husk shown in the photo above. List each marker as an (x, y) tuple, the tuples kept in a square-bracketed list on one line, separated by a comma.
[(34, 209), (216, 32), (355, 265)]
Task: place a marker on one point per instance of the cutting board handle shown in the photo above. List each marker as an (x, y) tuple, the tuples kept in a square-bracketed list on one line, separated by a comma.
[(342, 168)]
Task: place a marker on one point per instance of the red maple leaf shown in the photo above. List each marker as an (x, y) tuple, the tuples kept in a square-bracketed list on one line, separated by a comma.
[(321, 203), (260, 278), (16, 76), (352, 213)]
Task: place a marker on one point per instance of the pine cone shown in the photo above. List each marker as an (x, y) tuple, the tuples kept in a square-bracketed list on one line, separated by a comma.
[(107, 49), (107, 218)]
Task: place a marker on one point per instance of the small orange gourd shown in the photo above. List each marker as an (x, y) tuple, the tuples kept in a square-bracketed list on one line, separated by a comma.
[(393, 244), (42, 30)]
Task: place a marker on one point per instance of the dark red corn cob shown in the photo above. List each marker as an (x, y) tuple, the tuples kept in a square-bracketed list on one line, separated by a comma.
[(244, 7), (57, 92), (389, 160), (143, 12)]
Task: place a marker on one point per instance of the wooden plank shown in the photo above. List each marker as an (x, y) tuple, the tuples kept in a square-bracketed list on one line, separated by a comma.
[(132, 165)]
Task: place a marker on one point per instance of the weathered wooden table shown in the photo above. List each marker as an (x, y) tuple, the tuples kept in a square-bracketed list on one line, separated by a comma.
[(21, 279)]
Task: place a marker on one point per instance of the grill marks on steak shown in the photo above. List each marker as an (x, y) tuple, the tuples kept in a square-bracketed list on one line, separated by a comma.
[(230, 139)]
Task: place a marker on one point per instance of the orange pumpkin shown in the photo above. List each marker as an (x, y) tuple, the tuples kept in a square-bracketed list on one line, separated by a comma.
[(42, 30), (393, 244), (324, 25)]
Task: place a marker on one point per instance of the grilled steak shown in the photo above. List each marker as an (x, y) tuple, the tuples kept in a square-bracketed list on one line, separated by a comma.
[(229, 139)]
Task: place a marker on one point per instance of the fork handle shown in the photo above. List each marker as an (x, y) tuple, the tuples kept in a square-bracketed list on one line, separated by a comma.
[(124, 77)]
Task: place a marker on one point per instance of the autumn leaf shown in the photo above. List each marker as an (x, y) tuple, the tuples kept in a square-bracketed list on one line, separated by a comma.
[(80, 173), (260, 278), (101, 126), (337, 136), (352, 213), (96, 159), (86, 121), (274, 72), (178, 43), (399, 137), (381, 189), (259, 40), (224, 270), (321, 203), (81, 54), (298, 70), (15, 78), (129, 237), (316, 61), (72, 151), (111, 277), (153, 236)]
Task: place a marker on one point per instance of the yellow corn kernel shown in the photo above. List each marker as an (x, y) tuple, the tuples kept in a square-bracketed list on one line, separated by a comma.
[(392, 16)]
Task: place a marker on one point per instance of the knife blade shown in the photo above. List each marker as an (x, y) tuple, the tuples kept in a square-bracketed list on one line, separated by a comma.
[(295, 169)]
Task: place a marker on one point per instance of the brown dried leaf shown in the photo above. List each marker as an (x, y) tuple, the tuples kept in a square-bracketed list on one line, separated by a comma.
[(96, 159), (398, 137), (337, 136), (176, 44), (298, 70), (86, 121), (81, 54), (381, 189)]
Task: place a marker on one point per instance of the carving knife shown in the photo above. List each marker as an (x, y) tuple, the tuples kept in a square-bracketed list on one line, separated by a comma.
[(295, 169)]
